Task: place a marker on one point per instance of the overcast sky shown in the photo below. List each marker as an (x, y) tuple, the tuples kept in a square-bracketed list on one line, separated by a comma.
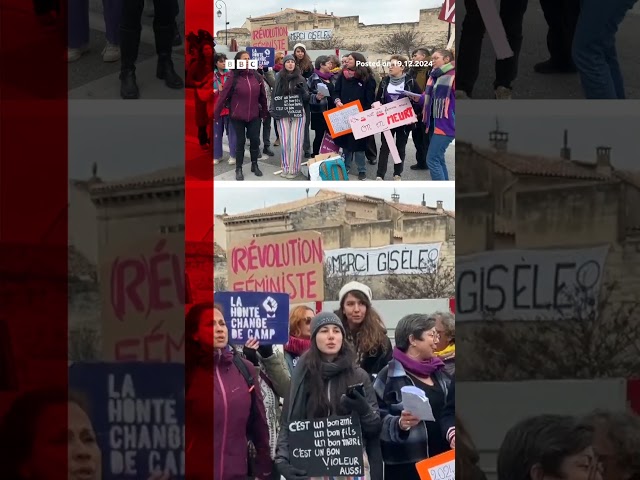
[(537, 127), (239, 201), (371, 12)]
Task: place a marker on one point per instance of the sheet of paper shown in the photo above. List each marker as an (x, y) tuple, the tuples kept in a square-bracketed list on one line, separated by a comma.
[(323, 89), (415, 401), (411, 94), (395, 89)]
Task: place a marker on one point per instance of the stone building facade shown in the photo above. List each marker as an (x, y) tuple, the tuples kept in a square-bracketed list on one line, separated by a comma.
[(348, 28), (344, 220)]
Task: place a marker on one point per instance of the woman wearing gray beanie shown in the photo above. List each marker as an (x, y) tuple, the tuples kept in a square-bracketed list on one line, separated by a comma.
[(320, 388)]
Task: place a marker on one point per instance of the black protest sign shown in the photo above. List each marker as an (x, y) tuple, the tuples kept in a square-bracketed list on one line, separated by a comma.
[(327, 447), (288, 106)]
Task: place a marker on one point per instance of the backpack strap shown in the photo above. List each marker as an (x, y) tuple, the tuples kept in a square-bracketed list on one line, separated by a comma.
[(251, 383)]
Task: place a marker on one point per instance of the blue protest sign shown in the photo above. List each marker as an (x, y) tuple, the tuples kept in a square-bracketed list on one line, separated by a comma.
[(137, 412), (259, 315), (266, 56)]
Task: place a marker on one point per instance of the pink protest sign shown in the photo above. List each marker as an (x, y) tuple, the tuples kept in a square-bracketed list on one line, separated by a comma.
[(328, 145), (382, 118)]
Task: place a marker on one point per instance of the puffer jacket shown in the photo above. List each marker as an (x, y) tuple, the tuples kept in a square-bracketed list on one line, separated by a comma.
[(248, 96), (370, 423)]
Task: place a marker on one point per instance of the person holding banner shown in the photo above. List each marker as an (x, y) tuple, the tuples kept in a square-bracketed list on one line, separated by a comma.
[(304, 63), (299, 335), (219, 399), (320, 389), (290, 82), (27, 434), (246, 99), (320, 102), (355, 83), (406, 439), (365, 329), (440, 107), (392, 88)]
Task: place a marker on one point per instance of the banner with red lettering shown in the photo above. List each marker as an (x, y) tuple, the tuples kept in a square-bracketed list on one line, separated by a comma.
[(272, 36), (448, 11), (382, 118), (286, 263), (143, 300)]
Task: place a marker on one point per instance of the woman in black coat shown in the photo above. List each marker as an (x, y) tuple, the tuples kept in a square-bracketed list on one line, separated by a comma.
[(355, 82)]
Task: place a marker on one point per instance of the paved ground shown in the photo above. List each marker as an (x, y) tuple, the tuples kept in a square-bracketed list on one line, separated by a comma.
[(533, 85), (199, 163), (90, 77)]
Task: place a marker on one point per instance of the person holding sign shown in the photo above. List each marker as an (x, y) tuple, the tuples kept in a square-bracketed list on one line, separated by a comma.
[(392, 88), (304, 63), (219, 399), (320, 388), (321, 87), (28, 432), (406, 438), (290, 83), (355, 83)]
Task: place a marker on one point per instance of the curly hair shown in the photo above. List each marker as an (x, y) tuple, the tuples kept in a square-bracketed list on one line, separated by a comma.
[(371, 337)]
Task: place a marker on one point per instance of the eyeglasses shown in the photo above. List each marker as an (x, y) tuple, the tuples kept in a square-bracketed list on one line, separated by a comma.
[(434, 335), (308, 320)]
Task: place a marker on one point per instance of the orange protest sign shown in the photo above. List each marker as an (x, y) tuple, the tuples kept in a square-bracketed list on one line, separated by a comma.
[(338, 118), (440, 467)]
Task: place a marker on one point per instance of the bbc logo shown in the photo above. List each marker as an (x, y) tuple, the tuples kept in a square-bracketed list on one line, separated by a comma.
[(241, 64)]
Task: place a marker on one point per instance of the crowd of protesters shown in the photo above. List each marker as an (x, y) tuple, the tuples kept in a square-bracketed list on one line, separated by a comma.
[(326, 352), (242, 106)]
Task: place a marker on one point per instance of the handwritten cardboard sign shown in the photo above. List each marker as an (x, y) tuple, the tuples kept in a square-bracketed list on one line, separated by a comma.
[(272, 36), (448, 11), (288, 106), (143, 298), (258, 315), (338, 118), (440, 467), (382, 118), (328, 145), (289, 263), (139, 420), (328, 447)]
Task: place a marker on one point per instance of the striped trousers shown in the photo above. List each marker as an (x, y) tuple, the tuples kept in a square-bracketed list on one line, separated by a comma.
[(291, 142)]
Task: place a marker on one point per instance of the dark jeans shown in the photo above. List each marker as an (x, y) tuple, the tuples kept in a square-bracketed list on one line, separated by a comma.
[(594, 48), (421, 142), (252, 131), (78, 27), (266, 132), (317, 140), (165, 12), (306, 145), (561, 16), (275, 126), (401, 135), (468, 65), (372, 149)]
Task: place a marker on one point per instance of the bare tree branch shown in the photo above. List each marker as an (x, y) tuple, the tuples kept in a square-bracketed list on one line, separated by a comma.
[(403, 42)]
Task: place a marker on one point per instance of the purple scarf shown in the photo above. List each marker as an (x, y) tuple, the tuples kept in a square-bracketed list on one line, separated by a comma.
[(424, 368), (324, 76)]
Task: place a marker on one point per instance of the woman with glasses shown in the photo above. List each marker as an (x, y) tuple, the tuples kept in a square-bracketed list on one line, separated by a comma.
[(299, 335), (405, 438)]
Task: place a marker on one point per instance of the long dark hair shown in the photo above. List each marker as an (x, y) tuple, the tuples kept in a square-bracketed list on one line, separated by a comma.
[(287, 80), (20, 425), (192, 348), (372, 335), (305, 65), (318, 405), (362, 72)]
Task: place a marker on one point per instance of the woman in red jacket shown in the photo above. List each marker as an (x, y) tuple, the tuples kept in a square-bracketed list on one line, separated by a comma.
[(211, 368)]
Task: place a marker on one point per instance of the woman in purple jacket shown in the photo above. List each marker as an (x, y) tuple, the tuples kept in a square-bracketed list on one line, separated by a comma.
[(246, 99), (211, 367)]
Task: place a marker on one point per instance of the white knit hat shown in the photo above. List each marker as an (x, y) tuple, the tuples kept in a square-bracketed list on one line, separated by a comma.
[(301, 45), (358, 287)]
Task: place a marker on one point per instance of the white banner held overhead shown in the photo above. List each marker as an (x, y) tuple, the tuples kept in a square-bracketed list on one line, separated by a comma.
[(529, 284), (398, 259), (317, 34)]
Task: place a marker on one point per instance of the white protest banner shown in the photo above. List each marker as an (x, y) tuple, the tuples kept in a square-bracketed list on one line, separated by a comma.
[(528, 284), (383, 118), (317, 34), (398, 259)]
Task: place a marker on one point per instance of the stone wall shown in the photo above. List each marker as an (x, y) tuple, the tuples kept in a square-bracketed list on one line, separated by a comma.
[(318, 214), (474, 222), (375, 234)]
